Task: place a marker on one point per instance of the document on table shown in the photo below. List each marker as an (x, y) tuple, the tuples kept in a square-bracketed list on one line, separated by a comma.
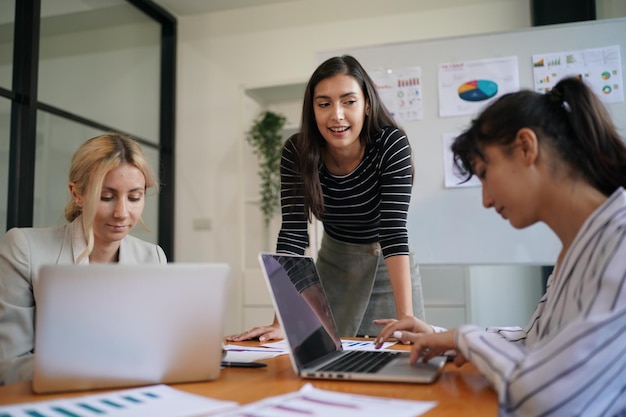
[(235, 353), (363, 345), (153, 401), (164, 401), (347, 345), (312, 402)]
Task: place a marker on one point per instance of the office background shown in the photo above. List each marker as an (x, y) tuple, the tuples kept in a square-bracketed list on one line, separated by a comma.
[(230, 65), (459, 230)]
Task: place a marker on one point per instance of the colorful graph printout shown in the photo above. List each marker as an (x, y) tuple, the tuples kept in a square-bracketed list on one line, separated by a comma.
[(477, 90), (601, 68), (153, 401), (466, 87), (314, 402), (401, 91)]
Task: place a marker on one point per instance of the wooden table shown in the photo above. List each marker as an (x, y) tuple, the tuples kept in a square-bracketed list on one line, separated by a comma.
[(458, 391)]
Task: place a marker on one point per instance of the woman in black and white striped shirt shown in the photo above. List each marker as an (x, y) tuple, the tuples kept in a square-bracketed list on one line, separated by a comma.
[(555, 158), (351, 167)]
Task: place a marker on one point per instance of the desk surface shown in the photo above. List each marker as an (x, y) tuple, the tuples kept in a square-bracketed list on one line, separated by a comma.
[(458, 391)]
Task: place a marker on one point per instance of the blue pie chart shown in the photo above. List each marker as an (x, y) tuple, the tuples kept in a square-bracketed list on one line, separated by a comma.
[(477, 90)]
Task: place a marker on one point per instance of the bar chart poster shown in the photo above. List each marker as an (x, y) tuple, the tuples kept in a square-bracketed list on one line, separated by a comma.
[(400, 90), (600, 68), (466, 87)]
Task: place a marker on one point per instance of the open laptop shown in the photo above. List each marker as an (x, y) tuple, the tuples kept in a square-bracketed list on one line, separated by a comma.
[(315, 346), (119, 325)]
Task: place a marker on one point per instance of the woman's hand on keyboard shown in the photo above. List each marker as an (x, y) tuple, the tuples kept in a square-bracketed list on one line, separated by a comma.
[(397, 328)]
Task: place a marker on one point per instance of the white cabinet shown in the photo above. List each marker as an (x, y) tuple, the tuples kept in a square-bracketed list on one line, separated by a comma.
[(485, 295), (446, 295), (504, 295), (257, 303)]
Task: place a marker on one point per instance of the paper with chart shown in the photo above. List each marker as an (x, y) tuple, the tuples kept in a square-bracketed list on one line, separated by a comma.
[(312, 402), (400, 90), (346, 344), (466, 87), (601, 68), (153, 401), (164, 401)]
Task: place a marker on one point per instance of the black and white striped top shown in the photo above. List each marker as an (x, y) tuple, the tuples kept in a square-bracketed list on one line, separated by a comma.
[(366, 206), (570, 359)]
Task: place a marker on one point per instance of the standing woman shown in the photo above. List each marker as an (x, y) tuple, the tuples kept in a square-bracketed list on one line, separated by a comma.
[(108, 180), (558, 159), (351, 167)]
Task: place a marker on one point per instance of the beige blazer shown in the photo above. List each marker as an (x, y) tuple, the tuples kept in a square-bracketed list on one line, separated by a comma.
[(22, 252)]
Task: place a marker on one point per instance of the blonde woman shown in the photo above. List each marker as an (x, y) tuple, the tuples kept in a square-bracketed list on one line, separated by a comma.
[(108, 180)]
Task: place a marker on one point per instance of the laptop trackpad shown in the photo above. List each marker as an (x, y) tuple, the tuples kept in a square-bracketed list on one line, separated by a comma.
[(427, 371)]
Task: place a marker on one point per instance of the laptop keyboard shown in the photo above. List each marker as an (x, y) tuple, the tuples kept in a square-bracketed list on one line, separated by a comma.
[(360, 361)]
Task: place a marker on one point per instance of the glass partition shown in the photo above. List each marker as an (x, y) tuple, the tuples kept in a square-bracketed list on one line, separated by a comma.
[(7, 16), (101, 61), (101, 66), (5, 127), (57, 140)]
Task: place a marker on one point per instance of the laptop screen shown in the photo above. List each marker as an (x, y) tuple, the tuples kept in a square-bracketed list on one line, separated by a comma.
[(114, 325), (301, 305)]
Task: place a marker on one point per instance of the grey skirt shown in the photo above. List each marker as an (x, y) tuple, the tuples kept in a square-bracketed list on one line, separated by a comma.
[(356, 282)]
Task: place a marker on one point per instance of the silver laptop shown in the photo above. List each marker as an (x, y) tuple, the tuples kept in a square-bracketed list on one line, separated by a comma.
[(119, 325), (314, 344)]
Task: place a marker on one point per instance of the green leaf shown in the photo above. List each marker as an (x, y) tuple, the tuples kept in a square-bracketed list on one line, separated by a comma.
[(266, 140)]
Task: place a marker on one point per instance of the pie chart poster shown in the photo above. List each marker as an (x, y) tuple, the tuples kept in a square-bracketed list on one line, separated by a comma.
[(466, 87)]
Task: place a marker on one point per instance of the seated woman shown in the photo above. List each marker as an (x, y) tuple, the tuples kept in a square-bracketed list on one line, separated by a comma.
[(108, 180), (555, 158)]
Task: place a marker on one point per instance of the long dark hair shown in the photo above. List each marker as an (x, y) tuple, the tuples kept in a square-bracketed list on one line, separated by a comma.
[(309, 141), (569, 118)]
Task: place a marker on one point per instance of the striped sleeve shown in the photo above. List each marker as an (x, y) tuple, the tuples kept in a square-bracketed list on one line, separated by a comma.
[(395, 193), (571, 359), (293, 236), (580, 372)]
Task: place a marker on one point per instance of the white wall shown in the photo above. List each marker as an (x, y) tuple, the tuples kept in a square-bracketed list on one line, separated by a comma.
[(222, 53)]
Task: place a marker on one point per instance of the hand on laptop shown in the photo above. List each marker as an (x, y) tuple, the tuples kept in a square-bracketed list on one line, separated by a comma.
[(408, 323), (263, 333), (427, 342), (427, 346)]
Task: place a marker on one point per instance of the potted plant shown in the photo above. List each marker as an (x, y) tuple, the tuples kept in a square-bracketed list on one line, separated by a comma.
[(267, 141)]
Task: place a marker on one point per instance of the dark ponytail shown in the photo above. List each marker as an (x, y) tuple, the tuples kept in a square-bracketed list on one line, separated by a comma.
[(569, 118), (599, 153)]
